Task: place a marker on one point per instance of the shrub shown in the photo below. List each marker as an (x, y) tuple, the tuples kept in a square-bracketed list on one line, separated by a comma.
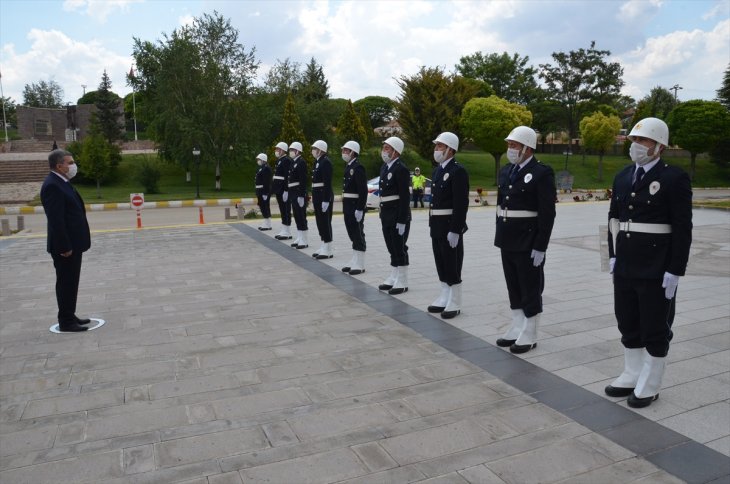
[(148, 175)]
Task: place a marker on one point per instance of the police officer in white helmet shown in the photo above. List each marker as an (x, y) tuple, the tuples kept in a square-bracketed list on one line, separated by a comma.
[(395, 214), (650, 224), (298, 194), (322, 198), (281, 189), (354, 200), (525, 218), (262, 183)]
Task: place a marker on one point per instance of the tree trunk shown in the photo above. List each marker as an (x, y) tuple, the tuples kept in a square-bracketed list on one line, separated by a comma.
[(188, 176), (692, 167), (98, 188), (600, 166), (218, 175)]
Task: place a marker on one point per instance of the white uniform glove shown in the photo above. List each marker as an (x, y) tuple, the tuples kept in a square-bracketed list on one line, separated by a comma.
[(670, 284), (358, 215), (401, 228), (325, 206), (300, 201), (285, 196), (537, 257), (611, 264), (453, 239), (265, 197)]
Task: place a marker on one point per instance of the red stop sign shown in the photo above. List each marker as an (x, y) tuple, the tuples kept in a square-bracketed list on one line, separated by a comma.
[(137, 200)]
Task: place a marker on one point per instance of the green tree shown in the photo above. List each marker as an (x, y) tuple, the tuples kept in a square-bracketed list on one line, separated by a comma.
[(45, 94), (367, 127), (88, 98), (547, 117), (95, 159), (430, 102), (489, 120), (108, 112), (581, 79), (195, 87), (723, 94), (349, 126), (283, 77), (380, 109), (509, 76), (291, 127), (599, 132), (313, 85), (319, 118), (10, 111), (698, 126), (657, 104)]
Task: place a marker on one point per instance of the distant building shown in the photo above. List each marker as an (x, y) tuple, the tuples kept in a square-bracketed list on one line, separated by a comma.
[(47, 124), (393, 128)]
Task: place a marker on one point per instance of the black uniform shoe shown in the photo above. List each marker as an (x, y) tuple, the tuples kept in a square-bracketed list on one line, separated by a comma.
[(515, 348), (323, 256), (450, 314), (397, 290), (636, 402), (505, 342), (282, 237), (82, 321), (71, 328), (300, 246), (315, 255), (264, 228), (354, 272), (618, 391), (295, 244), (436, 309), (385, 287), (346, 269)]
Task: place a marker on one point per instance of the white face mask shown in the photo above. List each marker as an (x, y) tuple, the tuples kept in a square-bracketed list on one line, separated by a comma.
[(513, 155), (346, 158), (439, 156), (278, 153), (315, 154), (260, 162), (640, 154), (72, 170), (292, 154), (385, 156)]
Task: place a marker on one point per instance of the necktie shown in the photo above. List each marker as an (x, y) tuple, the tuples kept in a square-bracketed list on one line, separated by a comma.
[(639, 175), (513, 174)]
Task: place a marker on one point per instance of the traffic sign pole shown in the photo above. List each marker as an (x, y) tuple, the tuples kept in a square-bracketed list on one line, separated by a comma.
[(136, 201)]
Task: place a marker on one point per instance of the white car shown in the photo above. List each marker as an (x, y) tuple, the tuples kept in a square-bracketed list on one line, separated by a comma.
[(374, 192)]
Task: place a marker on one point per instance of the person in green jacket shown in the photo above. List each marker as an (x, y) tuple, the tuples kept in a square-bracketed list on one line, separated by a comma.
[(418, 182)]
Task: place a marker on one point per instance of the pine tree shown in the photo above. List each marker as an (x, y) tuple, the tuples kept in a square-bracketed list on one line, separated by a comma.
[(365, 121), (723, 94), (313, 86), (108, 112), (349, 126), (291, 127)]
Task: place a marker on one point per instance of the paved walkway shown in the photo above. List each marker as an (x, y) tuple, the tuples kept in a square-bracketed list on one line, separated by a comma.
[(229, 357)]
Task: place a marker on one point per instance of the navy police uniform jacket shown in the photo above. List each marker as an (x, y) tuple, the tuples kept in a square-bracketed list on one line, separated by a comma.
[(298, 174), (534, 191), (395, 182), (68, 228), (662, 196), (355, 181), (322, 173), (263, 180), (449, 190), (281, 174)]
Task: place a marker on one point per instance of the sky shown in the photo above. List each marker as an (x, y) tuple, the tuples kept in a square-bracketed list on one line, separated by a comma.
[(365, 45)]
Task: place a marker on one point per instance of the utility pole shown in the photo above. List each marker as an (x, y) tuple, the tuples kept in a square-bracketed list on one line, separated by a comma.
[(83, 86), (675, 88)]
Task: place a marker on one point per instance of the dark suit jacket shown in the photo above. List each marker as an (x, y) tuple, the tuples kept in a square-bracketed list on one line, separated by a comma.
[(283, 165), (649, 256), (449, 189), (298, 173), (68, 228), (354, 181), (395, 181), (533, 190), (263, 177), (322, 173)]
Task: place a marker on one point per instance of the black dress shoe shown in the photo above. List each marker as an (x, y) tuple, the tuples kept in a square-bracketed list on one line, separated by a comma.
[(282, 237), (618, 391), (82, 321), (315, 255), (450, 314), (346, 269), (385, 287), (71, 328), (323, 256), (397, 290), (354, 272), (505, 342), (436, 309), (300, 246), (515, 348), (264, 228), (294, 244), (635, 402)]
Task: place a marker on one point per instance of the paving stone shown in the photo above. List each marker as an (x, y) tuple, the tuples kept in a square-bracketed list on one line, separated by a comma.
[(226, 478), (136, 394), (34, 385), (279, 433), (530, 418), (330, 422), (179, 387), (28, 440), (332, 466), (297, 369), (73, 403), (444, 401), (451, 478), (86, 468), (71, 433), (209, 446), (400, 409), (136, 422), (629, 470), (703, 424), (721, 445), (139, 459), (263, 402), (480, 474), (374, 457)]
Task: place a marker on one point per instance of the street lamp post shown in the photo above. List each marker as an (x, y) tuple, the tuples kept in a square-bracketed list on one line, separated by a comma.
[(196, 155)]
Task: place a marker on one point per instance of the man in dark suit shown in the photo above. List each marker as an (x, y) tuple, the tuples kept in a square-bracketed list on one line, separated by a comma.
[(322, 198), (68, 235), (447, 222), (395, 214), (354, 201), (525, 218), (262, 181), (650, 221)]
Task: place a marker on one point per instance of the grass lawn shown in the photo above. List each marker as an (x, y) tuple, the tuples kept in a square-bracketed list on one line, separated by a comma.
[(238, 181)]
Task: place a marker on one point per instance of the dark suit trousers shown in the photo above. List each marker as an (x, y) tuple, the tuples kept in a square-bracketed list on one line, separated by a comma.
[(525, 282), (300, 214), (68, 273), (355, 229), (448, 261), (396, 244), (284, 210), (264, 206), (323, 219), (644, 314)]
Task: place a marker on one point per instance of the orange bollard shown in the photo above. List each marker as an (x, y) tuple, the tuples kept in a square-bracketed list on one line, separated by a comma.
[(139, 219), (201, 220)]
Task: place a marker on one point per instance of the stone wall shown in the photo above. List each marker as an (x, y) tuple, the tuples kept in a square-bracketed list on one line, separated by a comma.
[(49, 124)]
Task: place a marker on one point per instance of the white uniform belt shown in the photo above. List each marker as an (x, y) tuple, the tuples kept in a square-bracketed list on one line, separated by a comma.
[(350, 195), (442, 211), (295, 184), (317, 185), (645, 228), (389, 198), (507, 213), (259, 186), (278, 177)]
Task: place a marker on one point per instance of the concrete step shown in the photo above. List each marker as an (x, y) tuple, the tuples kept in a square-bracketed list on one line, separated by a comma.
[(14, 171)]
